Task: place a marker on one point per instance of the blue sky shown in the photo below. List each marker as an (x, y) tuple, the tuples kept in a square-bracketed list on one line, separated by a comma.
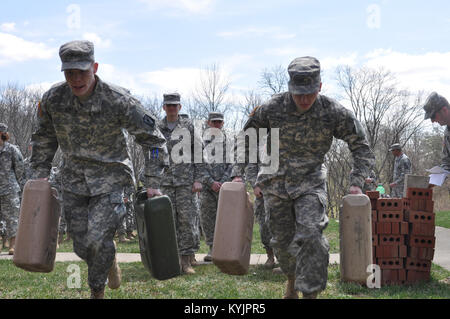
[(155, 46)]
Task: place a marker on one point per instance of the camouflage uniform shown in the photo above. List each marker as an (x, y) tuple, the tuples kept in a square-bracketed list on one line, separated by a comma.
[(56, 182), (295, 196), (260, 213), (402, 166), (177, 183), (11, 184), (128, 224), (97, 166), (371, 186), (213, 172)]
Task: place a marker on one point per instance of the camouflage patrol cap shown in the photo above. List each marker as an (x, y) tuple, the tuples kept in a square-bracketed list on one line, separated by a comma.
[(395, 146), (433, 104), (304, 73), (77, 55), (172, 98), (215, 116), (3, 127)]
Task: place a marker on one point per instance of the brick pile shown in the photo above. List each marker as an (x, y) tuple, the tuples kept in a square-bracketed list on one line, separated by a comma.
[(403, 238)]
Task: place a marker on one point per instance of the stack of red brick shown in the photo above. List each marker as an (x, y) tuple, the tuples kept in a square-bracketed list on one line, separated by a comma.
[(403, 236)]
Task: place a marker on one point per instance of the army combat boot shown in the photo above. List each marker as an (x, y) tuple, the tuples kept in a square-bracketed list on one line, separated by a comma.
[(290, 288), (192, 260), (208, 257), (122, 239), (97, 294), (186, 265), (114, 275), (270, 262), (312, 295), (12, 243)]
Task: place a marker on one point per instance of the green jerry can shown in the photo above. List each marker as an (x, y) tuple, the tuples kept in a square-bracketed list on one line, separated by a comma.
[(157, 236)]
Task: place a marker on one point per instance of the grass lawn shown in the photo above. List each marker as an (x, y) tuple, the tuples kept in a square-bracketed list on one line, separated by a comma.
[(331, 232), (207, 283), (443, 219)]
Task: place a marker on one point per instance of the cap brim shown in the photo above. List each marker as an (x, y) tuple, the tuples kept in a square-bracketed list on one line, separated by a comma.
[(216, 119), (303, 89), (85, 65), (171, 102)]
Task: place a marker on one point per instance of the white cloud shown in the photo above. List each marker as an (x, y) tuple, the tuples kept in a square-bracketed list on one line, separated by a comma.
[(273, 32), (182, 80), (190, 6), (15, 49), (8, 27), (428, 71), (97, 40), (40, 87)]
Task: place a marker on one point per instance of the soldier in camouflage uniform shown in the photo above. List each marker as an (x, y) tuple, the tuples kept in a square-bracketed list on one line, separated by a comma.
[(215, 173), (55, 180), (260, 213), (402, 166), (295, 196), (437, 109), (126, 227), (370, 182), (11, 184), (87, 118), (182, 179)]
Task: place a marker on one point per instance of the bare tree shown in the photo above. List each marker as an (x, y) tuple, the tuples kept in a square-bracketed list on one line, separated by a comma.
[(211, 94), (274, 80)]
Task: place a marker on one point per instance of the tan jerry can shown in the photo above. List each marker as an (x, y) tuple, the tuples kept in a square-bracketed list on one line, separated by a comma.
[(37, 233), (355, 231), (234, 229)]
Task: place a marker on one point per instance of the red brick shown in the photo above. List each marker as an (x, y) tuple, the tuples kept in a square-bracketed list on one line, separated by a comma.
[(422, 229), (389, 204), (419, 193), (373, 194), (404, 228), (373, 204), (389, 277), (374, 216), (402, 275), (383, 228), (423, 205), (390, 216), (421, 253), (374, 239), (395, 228), (414, 216), (417, 264), (421, 241), (414, 276), (402, 251), (390, 263), (391, 251), (391, 240), (374, 228)]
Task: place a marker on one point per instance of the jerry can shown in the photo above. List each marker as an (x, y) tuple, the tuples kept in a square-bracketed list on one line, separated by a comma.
[(37, 232), (233, 230), (157, 236), (355, 231)]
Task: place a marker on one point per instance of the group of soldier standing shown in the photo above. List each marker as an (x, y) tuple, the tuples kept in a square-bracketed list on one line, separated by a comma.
[(90, 120)]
